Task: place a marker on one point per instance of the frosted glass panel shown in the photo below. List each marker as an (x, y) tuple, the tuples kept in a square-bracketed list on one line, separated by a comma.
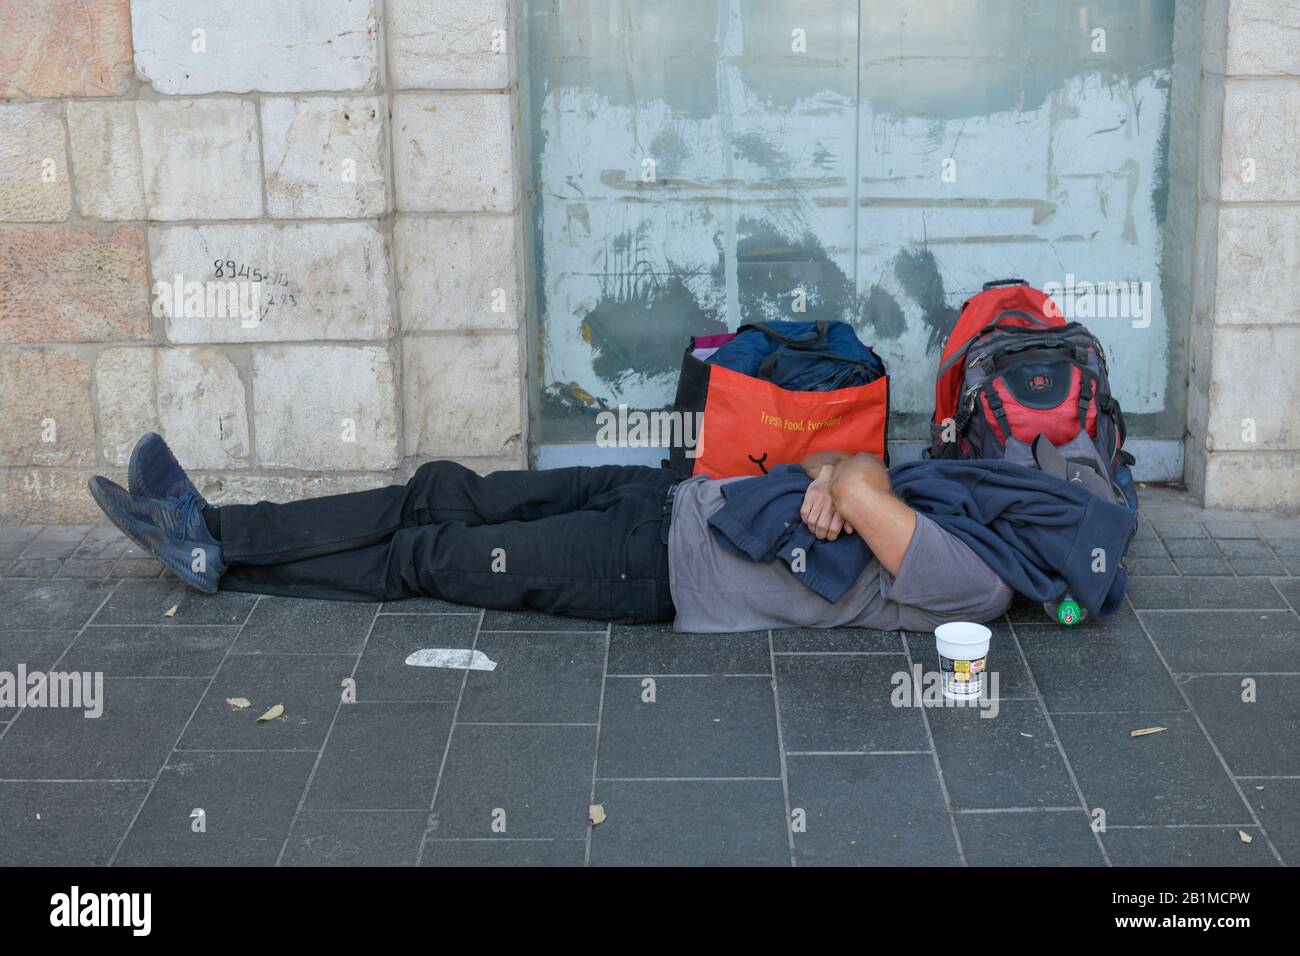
[(697, 164)]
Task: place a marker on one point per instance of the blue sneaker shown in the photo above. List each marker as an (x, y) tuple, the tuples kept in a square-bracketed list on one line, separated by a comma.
[(170, 528), (155, 473)]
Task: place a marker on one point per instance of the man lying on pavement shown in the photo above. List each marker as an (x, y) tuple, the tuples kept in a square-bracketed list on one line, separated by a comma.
[(837, 540)]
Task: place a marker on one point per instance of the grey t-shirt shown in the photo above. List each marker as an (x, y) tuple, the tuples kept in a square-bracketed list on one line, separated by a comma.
[(941, 579)]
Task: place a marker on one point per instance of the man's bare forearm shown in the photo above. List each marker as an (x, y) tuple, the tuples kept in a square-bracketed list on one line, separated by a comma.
[(814, 463), (862, 495)]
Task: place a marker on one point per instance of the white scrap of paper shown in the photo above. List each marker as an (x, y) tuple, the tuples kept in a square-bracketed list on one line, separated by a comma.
[(454, 657)]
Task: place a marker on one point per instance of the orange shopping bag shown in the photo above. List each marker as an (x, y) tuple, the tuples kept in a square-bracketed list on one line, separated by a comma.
[(746, 425)]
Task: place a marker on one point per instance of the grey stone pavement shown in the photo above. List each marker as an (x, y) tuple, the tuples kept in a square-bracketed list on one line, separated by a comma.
[(744, 732)]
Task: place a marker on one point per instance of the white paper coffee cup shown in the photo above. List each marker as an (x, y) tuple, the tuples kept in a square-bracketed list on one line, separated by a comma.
[(963, 648)]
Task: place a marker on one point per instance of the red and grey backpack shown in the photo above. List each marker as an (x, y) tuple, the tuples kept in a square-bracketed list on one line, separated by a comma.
[(1013, 374)]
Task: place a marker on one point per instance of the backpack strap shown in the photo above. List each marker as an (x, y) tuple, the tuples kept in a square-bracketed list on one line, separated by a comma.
[(1110, 405), (995, 403), (1085, 399), (1045, 341)]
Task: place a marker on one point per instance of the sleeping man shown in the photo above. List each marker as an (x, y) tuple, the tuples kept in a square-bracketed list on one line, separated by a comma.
[(836, 540)]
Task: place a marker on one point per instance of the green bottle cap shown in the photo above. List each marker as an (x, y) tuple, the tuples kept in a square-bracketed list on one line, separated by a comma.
[(1068, 612)]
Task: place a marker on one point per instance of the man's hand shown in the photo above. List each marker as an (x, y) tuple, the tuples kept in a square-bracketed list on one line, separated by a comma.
[(819, 512), (861, 491)]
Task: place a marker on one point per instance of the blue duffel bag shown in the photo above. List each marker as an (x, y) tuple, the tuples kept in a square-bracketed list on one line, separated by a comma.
[(801, 356)]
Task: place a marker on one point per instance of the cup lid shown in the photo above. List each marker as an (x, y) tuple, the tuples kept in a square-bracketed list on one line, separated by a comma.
[(963, 632)]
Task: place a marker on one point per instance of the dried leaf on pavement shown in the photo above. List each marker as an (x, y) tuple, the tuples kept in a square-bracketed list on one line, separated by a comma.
[(1148, 730)]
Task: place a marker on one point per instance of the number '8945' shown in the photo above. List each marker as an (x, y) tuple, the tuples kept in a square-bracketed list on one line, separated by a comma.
[(230, 269)]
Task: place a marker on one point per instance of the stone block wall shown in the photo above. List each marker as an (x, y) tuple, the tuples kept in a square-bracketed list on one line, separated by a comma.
[(285, 235), (1243, 428)]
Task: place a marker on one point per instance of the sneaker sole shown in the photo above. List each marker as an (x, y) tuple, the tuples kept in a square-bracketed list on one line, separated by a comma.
[(125, 523)]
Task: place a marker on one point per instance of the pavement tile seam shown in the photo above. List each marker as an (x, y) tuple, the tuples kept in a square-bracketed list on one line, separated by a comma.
[(855, 753), (498, 631), (311, 777), (977, 811), (523, 723), (938, 766), (1294, 609), (1208, 610), (650, 674), (595, 756), (1240, 673), (494, 839), (451, 736), (1056, 739), (1214, 747), (1182, 826), (77, 636), (22, 555), (197, 704), (780, 747), (74, 780), (837, 654), (684, 779)]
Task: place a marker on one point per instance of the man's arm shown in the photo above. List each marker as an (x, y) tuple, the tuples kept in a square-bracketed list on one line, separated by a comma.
[(862, 496), (814, 463)]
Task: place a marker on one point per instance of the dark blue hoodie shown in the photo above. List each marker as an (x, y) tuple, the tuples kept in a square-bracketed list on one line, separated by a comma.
[(1041, 535)]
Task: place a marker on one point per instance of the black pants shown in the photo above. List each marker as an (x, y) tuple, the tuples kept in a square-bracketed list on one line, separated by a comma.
[(586, 542)]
